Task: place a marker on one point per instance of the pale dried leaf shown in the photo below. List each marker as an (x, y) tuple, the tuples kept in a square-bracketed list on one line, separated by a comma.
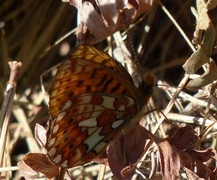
[(40, 134), (111, 16), (40, 163)]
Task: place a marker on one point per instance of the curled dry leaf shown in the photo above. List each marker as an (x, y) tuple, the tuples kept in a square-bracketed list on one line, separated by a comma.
[(125, 151), (170, 161), (100, 19), (37, 162), (26, 171), (203, 54), (208, 77), (203, 18), (180, 141), (172, 158), (176, 154), (33, 163), (195, 163), (195, 61), (40, 134)]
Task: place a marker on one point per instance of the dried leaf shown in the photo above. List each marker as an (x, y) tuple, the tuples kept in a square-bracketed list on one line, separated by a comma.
[(201, 57), (26, 171), (125, 151), (39, 163), (170, 161), (203, 19), (40, 134), (192, 161), (179, 139), (208, 77), (172, 158), (195, 61), (205, 46), (100, 20)]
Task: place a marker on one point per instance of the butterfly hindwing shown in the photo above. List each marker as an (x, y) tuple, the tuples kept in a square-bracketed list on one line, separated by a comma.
[(87, 123)]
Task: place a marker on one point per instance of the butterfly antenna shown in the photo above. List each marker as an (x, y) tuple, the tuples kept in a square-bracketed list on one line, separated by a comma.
[(148, 81), (136, 60)]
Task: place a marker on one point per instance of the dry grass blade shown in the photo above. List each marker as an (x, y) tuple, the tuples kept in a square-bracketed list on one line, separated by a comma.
[(7, 105)]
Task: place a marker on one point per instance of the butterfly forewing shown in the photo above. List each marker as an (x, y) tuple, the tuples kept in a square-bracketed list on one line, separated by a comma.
[(95, 55), (92, 98)]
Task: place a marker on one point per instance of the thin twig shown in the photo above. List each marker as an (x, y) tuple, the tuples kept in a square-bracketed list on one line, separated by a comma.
[(7, 105)]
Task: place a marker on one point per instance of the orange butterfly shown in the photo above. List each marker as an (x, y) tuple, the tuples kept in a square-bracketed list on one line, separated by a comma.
[(92, 99)]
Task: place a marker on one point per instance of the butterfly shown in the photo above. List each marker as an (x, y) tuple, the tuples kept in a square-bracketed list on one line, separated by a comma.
[(93, 97)]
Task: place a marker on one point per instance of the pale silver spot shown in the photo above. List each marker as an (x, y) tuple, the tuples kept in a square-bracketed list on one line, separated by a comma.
[(56, 128), (91, 130), (80, 109), (60, 116), (130, 102), (84, 109), (98, 108), (54, 93), (51, 142), (66, 65), (117, 123), (83, 129), (97, 112), (122, 108), (88, 123), (108, 102), (65, 163), (93, 140), (52, 152), (57, 159), (56, 84), (100, 146), (60, 74), (67, 105)]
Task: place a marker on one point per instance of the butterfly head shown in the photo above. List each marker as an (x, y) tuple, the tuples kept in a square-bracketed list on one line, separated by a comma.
[(147, 85)]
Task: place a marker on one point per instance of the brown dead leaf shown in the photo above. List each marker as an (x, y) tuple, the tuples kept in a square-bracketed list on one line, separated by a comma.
[(173, 156), (204, 36), (170, 161), (126, 150), (100, 20), (37, 162), (179, 139), (194, 163), (26, 171)]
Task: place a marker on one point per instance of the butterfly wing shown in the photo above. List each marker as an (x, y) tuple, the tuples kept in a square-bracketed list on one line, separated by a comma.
[(85, 126), (90, 70), (95, 55), (91, 99)]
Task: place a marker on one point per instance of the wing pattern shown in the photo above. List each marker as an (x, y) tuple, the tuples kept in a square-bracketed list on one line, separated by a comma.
[(91, 100)]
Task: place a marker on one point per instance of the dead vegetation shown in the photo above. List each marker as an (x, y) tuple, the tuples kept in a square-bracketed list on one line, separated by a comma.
[(174, 40)]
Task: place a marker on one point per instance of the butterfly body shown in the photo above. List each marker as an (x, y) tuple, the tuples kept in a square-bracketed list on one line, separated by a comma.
[(92, 99)]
